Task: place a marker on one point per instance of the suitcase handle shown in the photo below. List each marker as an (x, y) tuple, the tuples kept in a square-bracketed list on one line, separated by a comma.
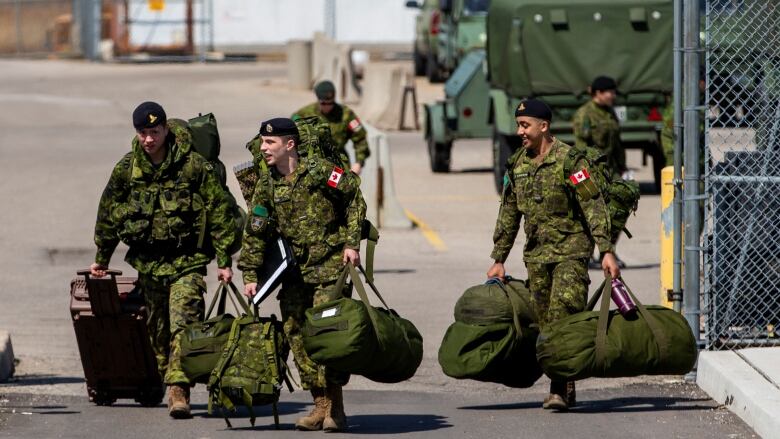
[(109, 272)]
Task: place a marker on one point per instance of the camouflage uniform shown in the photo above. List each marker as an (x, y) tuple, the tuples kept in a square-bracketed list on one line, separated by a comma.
[(159, 212), (598, 126), (319, 214), (344, 126), (560, 228)]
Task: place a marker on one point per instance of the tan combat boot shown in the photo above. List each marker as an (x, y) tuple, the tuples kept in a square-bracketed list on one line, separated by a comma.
[(313, 421), (335, 420), (179, 401), (556, 400)]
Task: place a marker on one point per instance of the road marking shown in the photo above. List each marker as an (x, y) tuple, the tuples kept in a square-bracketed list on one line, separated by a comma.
[(429, 234)]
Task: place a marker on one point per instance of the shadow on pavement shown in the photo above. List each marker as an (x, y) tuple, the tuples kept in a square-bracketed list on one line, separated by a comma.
[(510, 406), (41, 380), (640, 404), (471, 170), (242, 413), (395, 424)]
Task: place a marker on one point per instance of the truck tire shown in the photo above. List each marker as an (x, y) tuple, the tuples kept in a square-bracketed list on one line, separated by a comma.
[(419, 63), (439, 154), (502, 149), (432, 69)]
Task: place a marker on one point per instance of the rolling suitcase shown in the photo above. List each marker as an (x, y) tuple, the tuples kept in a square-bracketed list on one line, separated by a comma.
[(109, 316)]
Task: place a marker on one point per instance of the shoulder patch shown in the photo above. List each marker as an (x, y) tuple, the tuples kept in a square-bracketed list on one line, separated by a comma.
[(354, 125), (335, 176)]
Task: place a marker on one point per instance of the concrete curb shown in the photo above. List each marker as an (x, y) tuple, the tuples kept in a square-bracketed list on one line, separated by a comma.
[(731, 380), (6, 356)]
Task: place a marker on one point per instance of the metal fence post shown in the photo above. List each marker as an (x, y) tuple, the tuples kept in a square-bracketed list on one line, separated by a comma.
[(677, 181)]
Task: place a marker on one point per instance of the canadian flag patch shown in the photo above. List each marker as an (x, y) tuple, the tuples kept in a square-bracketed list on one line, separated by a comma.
[(354, 125), (335, 176), (580, 176)]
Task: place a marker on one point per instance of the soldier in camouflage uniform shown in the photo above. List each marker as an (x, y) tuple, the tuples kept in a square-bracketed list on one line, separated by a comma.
[(564, 215), (319, 209), (344, 123), (160, 200), (595, 124)]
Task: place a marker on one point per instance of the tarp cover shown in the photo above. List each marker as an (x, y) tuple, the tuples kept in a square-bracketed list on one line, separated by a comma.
[(544, 47)]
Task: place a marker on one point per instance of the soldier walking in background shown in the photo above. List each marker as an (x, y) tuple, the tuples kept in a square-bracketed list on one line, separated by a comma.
[(319, 209), (595, 124), (564, 217), (344, 123), (166, 203)]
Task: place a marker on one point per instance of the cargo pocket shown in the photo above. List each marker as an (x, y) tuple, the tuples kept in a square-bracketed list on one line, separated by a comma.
[(557, 204)]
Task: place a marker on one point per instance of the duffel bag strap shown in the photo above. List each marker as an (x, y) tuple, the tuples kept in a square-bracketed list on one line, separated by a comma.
[(238, 298), (515, 318), (361, 290), (601, 327), (219, 295), (371, 235), (660, 336)]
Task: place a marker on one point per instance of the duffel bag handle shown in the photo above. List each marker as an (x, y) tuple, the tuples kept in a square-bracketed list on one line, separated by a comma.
[(502, 285), (222, 294), (601, 330)]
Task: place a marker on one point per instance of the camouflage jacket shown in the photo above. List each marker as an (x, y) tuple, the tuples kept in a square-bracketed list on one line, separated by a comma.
[(174, 217), (560, 224), (344, 126), (598, 126), (318, 209)]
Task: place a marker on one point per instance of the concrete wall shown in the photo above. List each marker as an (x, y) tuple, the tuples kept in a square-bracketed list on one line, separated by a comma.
[(274, 22)]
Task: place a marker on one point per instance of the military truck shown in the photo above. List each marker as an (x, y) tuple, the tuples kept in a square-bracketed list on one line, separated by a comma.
[(447, 30), (552, 50)]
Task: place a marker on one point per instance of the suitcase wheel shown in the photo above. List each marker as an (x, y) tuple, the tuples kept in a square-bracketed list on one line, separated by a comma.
[(150, 398), (103, 399)]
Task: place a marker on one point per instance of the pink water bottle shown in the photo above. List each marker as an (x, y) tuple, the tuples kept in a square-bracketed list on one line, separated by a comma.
[(621, 298)]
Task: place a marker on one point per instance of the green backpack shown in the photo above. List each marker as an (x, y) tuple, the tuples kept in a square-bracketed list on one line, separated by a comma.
[(621, 196), (252, 367), (205, 141)]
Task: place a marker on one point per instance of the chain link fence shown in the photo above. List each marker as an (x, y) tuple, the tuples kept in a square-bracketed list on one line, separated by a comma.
[(30, 27), (741, 282)]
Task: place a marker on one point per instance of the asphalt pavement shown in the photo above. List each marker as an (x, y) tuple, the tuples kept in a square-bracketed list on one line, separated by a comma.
[(65, 124)]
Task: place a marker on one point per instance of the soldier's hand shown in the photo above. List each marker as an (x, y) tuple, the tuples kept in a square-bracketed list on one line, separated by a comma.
[(610, 265), (356, 168), (98, 270), (225, 274), (497, 270), (351, 256), (250, 289)]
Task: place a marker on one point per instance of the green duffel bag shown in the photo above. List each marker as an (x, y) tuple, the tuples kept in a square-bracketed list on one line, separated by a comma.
[(352, 336), (656, 341), (202, 342), (494, 336)]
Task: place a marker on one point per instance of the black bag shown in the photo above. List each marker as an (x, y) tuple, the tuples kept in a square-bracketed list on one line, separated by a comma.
[(354, 337), (202, 343)]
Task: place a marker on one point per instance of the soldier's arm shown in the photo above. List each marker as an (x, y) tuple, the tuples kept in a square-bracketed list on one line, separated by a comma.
[(582, 129), (357, 133), (219, 215), (257, 231), (508, 222), (108, 222), (348, 189), (593, 205)]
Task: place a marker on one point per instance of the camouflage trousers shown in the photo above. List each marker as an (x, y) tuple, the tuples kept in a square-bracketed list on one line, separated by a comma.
[(558, 289), (295, 298), (171, 306)]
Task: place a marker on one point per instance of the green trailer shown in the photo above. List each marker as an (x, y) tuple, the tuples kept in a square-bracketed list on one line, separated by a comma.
[(552, 50)]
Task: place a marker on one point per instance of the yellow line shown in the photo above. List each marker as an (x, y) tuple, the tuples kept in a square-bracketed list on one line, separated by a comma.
[(429, 234)]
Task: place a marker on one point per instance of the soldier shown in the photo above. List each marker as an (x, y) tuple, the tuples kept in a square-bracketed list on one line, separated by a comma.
[(344, 123), (564, 215), (160, 200), (319, 209), (595, 124)]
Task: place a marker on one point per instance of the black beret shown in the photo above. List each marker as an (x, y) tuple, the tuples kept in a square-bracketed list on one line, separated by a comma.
[(280, 126), (325, 90), (148, 115), (603, 83), (534, 108)]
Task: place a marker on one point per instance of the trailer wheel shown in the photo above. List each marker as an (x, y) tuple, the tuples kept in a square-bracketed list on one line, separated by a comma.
[(502, 149), (439, 154)]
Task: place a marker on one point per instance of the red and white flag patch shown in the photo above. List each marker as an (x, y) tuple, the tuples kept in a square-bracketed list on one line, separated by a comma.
[(354, 126), (335, 177), (579, 177)]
